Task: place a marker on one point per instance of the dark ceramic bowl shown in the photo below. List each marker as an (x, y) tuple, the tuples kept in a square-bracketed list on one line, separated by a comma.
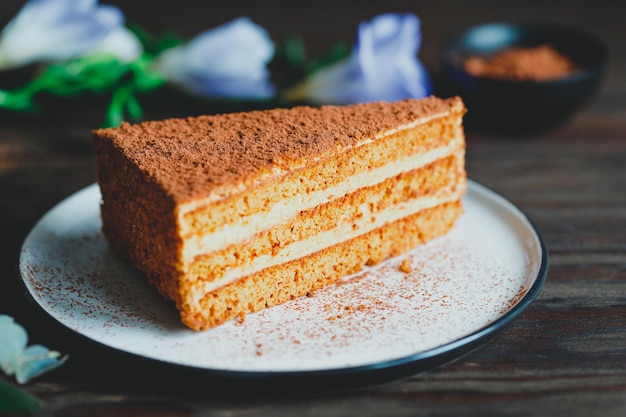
[(521, 106)]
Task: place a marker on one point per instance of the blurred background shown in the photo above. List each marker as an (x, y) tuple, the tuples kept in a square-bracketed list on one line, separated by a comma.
[(323, 24)]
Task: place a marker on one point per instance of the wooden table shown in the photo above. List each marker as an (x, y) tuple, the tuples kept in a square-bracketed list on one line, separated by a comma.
[(564, 356)]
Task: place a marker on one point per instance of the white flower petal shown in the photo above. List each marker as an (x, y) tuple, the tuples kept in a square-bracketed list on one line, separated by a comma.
[(120, 42), (13, 340), (227, 61), (36, 360), (383, 65), (239, 48), (170, 62), (49, 30)]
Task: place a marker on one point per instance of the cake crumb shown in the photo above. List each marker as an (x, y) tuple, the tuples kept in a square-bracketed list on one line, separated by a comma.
[(405, 266)]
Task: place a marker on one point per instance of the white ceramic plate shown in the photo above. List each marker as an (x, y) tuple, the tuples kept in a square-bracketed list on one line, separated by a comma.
[(462, 288)]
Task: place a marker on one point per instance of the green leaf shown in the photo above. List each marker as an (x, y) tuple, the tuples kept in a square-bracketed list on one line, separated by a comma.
[(133, 107), (97, 74), (115, 111), (294, 50), (16, 101), (335, 54), (14, 400), (145, 77), (153, 44)]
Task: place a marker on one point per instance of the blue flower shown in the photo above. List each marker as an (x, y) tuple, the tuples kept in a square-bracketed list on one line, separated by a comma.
[(56, 30), (229, 61), (16, 358), (383, 65), (120, 42)]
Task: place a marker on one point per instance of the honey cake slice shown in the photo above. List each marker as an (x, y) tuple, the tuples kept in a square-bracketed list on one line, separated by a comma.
[(229, 214)]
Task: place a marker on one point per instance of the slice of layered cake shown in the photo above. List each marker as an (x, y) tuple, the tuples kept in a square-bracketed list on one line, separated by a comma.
[(229, 214)]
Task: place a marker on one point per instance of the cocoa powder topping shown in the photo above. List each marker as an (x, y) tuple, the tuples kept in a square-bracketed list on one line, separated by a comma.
[(195, 157)]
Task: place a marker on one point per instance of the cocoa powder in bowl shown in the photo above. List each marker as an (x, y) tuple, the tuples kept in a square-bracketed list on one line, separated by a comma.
[(537, 63), (517, 78)]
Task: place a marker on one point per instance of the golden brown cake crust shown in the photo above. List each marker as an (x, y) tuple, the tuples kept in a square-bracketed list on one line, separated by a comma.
[(194, 157)]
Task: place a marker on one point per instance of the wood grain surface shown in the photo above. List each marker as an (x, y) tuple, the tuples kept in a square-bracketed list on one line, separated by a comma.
[(564, 356)]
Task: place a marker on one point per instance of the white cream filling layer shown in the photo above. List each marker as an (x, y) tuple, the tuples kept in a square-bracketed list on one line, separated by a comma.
[(342, 233), (287, 209)]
